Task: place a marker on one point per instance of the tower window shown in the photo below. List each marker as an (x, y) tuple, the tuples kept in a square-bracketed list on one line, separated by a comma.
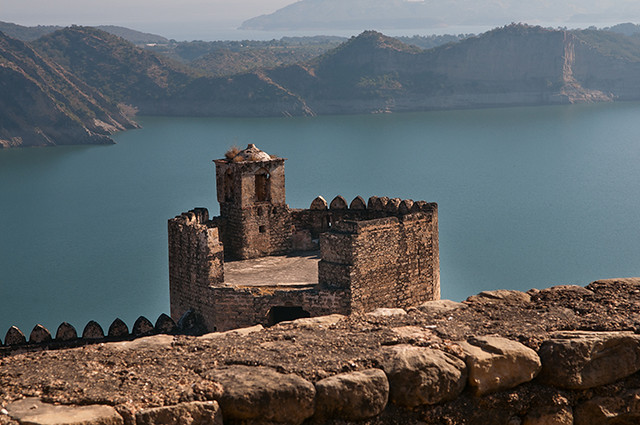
[(262, 229), (262, 185)]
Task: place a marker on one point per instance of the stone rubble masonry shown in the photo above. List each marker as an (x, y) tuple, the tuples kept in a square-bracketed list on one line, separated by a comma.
[(383, 253)]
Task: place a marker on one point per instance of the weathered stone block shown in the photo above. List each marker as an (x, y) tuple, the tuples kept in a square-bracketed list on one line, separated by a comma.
[(581, 360), (352, 396), (194, 413), (14, 336), (142, 326), (420, 376), (496, 363), (66, 332), (93, 330), (118, 329), (261, 393), (39, 335), (32, 411), (165, 325)]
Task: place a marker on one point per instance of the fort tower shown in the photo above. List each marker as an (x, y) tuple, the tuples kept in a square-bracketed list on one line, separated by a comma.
[(251, 193)]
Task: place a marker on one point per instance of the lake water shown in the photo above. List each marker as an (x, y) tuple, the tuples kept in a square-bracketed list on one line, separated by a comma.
[(528, 197)]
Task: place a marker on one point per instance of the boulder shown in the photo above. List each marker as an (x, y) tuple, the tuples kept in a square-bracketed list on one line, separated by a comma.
[(261, 393), (387, 312), (314, 322), (580, 360), (32, 411), (352, 396), (623, 410), (194, 413), (420, 376), (153, 342), (496, 363), (440, 306), (502, 295), (239, 332)]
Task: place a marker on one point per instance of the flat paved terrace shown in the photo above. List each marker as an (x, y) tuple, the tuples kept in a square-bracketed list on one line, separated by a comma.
[(295, 269)]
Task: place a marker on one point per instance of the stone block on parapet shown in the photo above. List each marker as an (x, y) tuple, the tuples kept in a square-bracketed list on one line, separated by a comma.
[(358, 203), (318, 204), (338, 203), (118, 329), (14, 336), (392, 206), (39, 335), (405, 206), (142, 327), (66, 332), (92, 330), (165, 324)]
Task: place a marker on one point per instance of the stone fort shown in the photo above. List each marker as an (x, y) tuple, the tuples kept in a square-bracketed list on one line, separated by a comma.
[(261, 262)]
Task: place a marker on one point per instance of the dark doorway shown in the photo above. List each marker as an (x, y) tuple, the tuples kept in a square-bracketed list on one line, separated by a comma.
[(284, 314)]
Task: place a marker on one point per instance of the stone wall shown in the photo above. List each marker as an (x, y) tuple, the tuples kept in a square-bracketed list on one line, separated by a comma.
[(386, 262), (237, 307), (196, 260)]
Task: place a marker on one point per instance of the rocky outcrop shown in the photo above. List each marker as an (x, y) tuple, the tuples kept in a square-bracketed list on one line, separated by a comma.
[(473, 365)]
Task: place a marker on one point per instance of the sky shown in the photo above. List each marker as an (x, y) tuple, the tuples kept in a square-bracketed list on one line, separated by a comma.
[(158, 16)]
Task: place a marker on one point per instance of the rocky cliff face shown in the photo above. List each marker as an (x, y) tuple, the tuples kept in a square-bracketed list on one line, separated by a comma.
[(42, 104), (515, 65)]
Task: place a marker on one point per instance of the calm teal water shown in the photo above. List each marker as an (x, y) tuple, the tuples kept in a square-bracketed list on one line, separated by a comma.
[(529, 197)]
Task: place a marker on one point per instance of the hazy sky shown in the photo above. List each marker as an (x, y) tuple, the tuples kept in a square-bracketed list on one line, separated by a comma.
[(146, 13)]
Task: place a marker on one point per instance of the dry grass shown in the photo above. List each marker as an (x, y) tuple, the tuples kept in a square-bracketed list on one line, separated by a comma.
[(232, 153)]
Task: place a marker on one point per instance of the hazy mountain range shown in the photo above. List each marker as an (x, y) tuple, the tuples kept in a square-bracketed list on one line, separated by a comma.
[(80, 84), (404, 14)]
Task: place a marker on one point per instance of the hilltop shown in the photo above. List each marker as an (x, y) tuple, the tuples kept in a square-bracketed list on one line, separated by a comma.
[(403, 14), (513, 65), (26, 33), (508, 66), (41, 103)]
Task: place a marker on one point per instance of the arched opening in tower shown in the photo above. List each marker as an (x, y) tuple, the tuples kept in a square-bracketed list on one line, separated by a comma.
[(262, 185)]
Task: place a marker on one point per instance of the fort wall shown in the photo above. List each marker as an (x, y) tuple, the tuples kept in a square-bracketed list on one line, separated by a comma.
[(196, 260)]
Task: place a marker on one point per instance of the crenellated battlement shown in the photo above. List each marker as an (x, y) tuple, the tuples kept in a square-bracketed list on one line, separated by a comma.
[(380, 253), (67, 336)]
